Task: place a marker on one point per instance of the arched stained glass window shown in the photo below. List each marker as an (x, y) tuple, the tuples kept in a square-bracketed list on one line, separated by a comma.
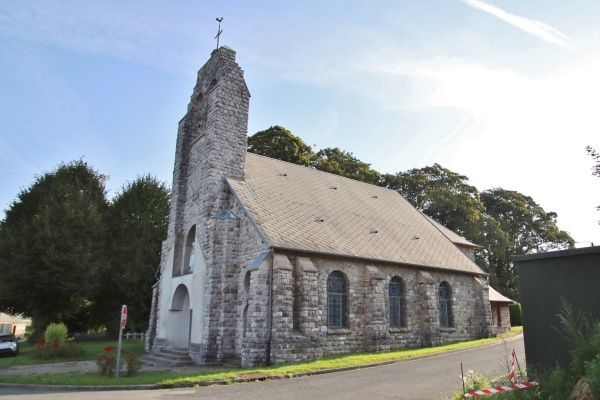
[(337, 300), (444, 294), (396, 301)]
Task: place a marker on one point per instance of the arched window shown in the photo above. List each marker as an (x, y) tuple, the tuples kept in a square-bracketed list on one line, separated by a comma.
[(190, 249), (337, 300), (445, 305), (396, 300)]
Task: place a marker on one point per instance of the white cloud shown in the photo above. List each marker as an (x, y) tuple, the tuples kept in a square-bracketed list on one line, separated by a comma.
[(533, 27), (511, 130)]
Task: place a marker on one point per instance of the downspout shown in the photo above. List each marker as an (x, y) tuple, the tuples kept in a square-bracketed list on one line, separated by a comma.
[(270, 308)]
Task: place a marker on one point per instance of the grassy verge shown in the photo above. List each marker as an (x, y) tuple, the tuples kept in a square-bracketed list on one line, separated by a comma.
[(169, 379)]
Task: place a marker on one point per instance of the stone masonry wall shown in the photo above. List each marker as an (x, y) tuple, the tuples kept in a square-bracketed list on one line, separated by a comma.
[(300, 325), (248, 309), (503, 310), (211, 145)]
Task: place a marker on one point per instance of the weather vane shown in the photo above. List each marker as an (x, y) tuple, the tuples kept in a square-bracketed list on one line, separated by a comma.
[(219, 32)]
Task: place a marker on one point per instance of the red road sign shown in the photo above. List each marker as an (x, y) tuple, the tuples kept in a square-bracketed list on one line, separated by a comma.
[(123, 316)]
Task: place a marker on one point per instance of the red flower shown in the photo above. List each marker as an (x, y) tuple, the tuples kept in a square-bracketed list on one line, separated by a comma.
[(42, 342), (109, 348), (55, 344)]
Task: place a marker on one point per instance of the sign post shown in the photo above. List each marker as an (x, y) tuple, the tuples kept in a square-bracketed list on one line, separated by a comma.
[(123, 322)]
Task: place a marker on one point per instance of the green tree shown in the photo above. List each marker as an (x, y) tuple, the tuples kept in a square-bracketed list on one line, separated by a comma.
[(277, 142), (504, 223), (52, 245), (449, 199), (137, 225), (528, 229), (343, 163), (443, 195)]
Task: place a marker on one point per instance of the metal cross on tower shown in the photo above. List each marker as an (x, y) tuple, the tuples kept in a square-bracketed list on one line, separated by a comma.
[(219, 32)]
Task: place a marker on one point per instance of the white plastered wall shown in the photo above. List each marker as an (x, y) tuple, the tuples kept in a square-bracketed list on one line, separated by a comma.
[(172, 323)]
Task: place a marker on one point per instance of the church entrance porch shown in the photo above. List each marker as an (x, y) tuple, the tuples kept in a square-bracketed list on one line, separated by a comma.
[(180, 316)]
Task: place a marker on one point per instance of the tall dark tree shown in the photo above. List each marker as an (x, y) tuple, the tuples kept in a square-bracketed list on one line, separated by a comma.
[(137, 225), (52, 245), (277, 142), (528, 229), (343, 163)]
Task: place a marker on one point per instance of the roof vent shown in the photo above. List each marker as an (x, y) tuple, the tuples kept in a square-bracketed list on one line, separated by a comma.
[(374, 197), (333, 187), (319, 219), (374, 231), (415, 237), (282, 174)]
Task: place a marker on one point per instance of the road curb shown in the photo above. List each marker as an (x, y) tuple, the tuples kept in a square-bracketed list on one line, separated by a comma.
[(243, 380), (78, 388)]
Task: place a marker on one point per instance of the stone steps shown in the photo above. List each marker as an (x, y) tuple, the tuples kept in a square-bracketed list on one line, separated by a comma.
[(169, 358)]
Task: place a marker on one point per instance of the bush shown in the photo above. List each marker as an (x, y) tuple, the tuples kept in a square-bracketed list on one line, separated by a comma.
[(56, 333), (516, 319), (592, 376), (581, 334), (107, 362), (133, 362), (556, 384), (46, 350), (472, 382)]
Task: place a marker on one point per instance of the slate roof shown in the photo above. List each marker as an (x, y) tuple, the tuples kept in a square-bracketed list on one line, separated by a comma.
[(299, 208), (496, 296), (453, 236)]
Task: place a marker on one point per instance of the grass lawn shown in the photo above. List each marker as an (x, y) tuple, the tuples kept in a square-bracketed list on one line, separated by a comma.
[(91, 350), (169, 379)]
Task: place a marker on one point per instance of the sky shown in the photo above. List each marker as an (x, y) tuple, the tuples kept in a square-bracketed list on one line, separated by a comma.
[(505, 92)]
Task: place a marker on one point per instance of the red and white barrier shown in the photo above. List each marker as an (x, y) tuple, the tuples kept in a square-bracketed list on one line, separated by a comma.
[(513, 358), (501, 389)]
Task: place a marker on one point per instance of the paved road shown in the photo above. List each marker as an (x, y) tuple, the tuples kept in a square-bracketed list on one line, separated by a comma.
[(431, 378)]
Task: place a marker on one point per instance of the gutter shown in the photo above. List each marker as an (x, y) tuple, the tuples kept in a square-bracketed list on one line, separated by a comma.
[(377, 260)]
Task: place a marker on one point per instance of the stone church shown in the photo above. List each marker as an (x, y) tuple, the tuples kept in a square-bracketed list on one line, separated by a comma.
[(269, 262)]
